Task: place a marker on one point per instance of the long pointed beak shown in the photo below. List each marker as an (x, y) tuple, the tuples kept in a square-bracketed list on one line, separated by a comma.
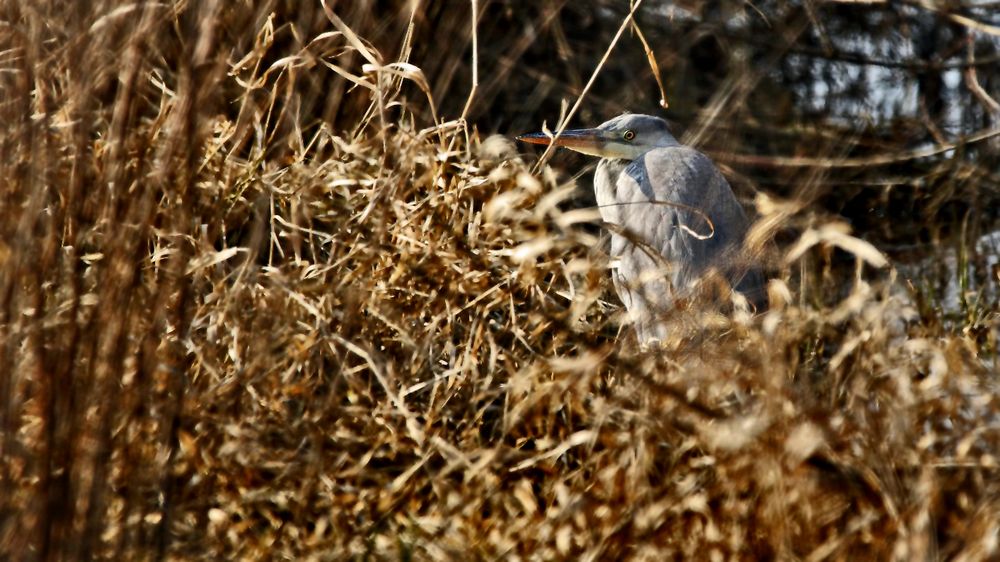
[(587, 141)]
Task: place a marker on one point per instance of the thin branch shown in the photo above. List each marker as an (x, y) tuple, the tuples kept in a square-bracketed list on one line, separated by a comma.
[(972, 81), (653, 65), (878, 160), (593, 77), (966, 21), (475, 59)]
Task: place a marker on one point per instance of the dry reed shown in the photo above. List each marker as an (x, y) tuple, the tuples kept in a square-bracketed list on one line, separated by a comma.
[(230, 333)]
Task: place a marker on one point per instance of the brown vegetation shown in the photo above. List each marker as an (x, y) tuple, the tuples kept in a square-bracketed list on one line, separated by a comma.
[(264, 295)]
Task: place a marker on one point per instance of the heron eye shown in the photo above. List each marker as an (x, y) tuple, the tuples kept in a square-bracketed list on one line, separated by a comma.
[(628, 135)]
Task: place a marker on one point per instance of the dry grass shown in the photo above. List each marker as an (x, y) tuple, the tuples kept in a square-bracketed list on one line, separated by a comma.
[(228, 332)]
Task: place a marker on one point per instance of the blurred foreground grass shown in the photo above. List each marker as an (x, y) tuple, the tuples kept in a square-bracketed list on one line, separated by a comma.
[(226, 332)]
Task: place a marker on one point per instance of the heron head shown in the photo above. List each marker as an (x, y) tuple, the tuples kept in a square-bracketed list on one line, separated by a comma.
[(625, 137)]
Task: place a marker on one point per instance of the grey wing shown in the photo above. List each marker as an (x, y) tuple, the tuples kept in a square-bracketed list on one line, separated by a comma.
[(680, 206)]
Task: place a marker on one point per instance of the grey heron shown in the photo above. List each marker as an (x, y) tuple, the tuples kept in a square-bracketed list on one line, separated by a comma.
[(673, 217)]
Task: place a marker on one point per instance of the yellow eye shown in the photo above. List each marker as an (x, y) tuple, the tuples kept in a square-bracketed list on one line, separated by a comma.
[(628, 135)]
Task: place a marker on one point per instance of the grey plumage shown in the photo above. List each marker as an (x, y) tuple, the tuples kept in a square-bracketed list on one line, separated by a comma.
[(655, 196)]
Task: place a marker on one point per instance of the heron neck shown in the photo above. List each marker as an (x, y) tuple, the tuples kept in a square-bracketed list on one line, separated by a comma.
[(606, 180), (613, 166)]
